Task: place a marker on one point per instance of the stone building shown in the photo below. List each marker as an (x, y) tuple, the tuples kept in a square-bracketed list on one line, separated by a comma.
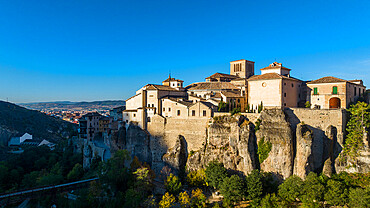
[(332, 92), (274, 88), (89, 125)]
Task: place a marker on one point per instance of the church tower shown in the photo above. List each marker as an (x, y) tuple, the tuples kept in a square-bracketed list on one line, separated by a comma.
[(242, 68)]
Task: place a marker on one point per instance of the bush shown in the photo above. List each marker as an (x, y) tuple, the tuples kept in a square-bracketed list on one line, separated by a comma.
[(336, 193), (263, 150), (215, 174), (254, 185), (290, 190), (359, 198), (307, 104), (184, 199), (173, 184), (232, 189), (76, 173)]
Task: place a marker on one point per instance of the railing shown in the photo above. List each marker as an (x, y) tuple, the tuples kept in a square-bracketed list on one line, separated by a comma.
[(47, 188)]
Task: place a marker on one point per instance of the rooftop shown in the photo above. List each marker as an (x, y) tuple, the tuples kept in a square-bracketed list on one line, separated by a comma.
[(275, 65), (159, 87), (219, 75), (270, 76), (327, 80), (212, 86)]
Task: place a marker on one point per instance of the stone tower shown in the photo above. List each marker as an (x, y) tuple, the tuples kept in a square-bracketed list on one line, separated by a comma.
[(242, 68)]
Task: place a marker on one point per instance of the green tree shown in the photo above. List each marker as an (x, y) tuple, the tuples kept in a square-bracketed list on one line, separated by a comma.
[(260, 107), (254, 185), (114, 174), (359, 198), (336, 193), (232, 189), (173, 184), (312, 191), (76, 172), (356, 128), (215, 174), (269, 201), (290, 190)]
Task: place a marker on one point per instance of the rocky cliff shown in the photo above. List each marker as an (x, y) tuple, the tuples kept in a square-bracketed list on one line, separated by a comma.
[(283, 142)]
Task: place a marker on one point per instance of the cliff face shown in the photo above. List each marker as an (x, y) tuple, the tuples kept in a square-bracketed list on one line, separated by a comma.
[(298, 142), (230, 140)]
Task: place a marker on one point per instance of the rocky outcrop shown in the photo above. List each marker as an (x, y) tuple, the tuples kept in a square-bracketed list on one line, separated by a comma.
[(276, 129), (176, 157), (231, 140), (303, 163)]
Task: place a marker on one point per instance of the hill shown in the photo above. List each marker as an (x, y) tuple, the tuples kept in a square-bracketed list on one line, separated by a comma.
[(15, 120)]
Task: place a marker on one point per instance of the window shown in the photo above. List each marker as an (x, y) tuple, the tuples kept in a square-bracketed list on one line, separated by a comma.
[(284, 94), (169, 109), (148, 119), (193, 113), (178, 84), (335, 90), (164, 109), (134, 115), (238, 100), (284, 104), (315, 91), (178, 112), (126, 121), (204, 113), (355, 91), (292, 85), (284, 83)]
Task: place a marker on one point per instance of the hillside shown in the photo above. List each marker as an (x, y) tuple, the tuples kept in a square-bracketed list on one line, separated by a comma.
[(16, 120), (67, 105)]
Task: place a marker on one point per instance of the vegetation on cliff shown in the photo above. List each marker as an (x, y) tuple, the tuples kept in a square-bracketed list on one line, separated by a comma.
[(357, 128)]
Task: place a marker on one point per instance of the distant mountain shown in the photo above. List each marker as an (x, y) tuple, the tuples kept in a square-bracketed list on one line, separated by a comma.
[(16, 120), (67, 105)]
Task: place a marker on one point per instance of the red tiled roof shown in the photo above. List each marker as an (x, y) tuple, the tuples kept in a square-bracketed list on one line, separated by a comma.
[(172, 79), (219, 75), (327, 80), (212, 86), (159, 87), (270, 76)]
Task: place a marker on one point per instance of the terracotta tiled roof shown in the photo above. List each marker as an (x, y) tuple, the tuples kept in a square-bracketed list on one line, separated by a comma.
[(270, 76), (275, 65), (219, 75), (172, 79), (231, 94), (159, 87), (212, 86), (186, 103), (327, 80)]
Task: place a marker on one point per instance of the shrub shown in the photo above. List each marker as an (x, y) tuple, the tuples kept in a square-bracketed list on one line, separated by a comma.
[(76, 173), (263, 150), (289, 191), (173, 184), (184, 199), (232, 189), (257, 126), (307, 104), (215, 174)]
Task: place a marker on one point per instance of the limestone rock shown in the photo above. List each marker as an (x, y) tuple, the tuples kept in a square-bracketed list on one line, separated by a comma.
[(276, 129), (303, 163), (176, 156)]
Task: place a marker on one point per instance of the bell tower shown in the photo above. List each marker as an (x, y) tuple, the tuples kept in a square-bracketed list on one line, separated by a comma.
[(242, 68)]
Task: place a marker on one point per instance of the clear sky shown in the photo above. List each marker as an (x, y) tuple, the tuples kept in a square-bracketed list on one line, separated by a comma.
[(99, 50)]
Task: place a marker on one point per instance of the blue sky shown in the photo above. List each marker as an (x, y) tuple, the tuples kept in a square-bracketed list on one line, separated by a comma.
[(99, 50)]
